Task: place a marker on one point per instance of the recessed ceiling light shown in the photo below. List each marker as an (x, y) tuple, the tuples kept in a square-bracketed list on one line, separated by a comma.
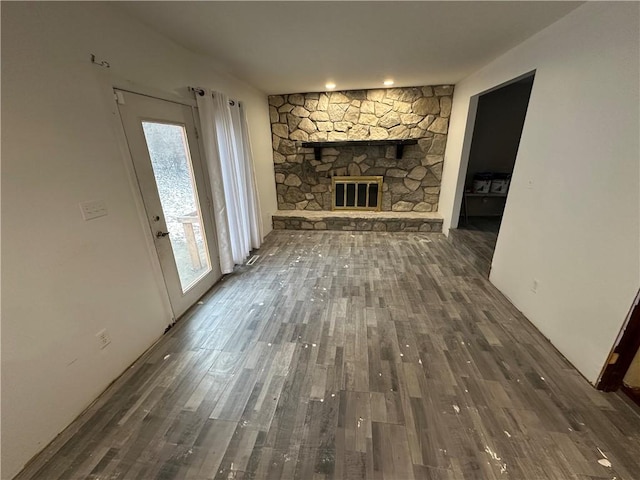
[(388, 83), (330, 86)]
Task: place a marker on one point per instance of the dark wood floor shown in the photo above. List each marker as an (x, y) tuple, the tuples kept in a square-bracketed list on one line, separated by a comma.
[(351, 355), (476, 241)]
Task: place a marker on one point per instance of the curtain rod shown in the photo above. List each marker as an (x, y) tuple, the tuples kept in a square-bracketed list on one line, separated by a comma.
[(200, 92)]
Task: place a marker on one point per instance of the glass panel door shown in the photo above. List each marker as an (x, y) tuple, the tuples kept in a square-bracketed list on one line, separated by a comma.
[(174, 186), (173, 171)]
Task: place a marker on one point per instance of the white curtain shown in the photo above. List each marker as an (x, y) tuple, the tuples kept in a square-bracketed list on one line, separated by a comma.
[(230, 161), (255, 218)]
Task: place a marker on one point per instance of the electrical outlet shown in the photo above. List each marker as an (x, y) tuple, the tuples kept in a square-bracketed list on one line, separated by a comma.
[(94, 209), (534, 286), (103, 338)]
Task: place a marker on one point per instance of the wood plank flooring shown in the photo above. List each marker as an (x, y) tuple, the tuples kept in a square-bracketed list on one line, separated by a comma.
[(476, 241), (351, 355)]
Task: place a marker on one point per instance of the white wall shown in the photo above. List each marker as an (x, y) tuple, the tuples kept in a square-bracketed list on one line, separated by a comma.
[(572, 215), (65, 279)]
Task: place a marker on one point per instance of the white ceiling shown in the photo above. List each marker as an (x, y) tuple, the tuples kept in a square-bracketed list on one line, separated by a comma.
[(286, 47)]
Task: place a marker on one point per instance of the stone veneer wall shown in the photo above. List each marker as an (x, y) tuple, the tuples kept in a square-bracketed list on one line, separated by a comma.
[(411, 183)]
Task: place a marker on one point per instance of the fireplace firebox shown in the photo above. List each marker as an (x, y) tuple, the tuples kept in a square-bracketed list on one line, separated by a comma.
[(356, 193)]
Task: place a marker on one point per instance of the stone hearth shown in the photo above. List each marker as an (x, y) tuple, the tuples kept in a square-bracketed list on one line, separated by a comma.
[(358, 221)]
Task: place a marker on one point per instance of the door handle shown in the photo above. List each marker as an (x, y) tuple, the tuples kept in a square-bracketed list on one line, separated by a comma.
[(162, 234)]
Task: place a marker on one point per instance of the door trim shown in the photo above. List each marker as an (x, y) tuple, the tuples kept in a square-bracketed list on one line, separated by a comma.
[(126, 86), (623, 352), (108, 82), (141, 212)]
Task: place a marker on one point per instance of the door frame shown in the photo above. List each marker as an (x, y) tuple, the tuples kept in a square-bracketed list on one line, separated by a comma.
[(468, 138), (134, 108), (109, 82), (623, 351)]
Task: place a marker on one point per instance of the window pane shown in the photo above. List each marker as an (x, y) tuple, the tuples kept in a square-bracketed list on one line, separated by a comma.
[(351, 194), (173, 171), (362, 195), (373, 195), (339, 195)]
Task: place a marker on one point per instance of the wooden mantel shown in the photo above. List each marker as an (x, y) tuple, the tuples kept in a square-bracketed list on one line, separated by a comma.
[(399, 144)]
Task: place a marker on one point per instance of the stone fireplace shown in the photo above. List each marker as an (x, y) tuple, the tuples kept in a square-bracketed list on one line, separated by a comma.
[(318, 136)]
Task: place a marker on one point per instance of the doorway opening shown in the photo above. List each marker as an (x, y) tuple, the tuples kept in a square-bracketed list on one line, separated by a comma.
[(497, 128), (623, 368)]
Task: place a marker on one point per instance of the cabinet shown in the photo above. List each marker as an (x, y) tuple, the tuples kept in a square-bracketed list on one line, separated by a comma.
[(499, 199)]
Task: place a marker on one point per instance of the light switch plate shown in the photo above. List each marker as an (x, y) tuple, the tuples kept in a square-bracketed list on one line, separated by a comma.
[(93, 209), (103, 338)]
